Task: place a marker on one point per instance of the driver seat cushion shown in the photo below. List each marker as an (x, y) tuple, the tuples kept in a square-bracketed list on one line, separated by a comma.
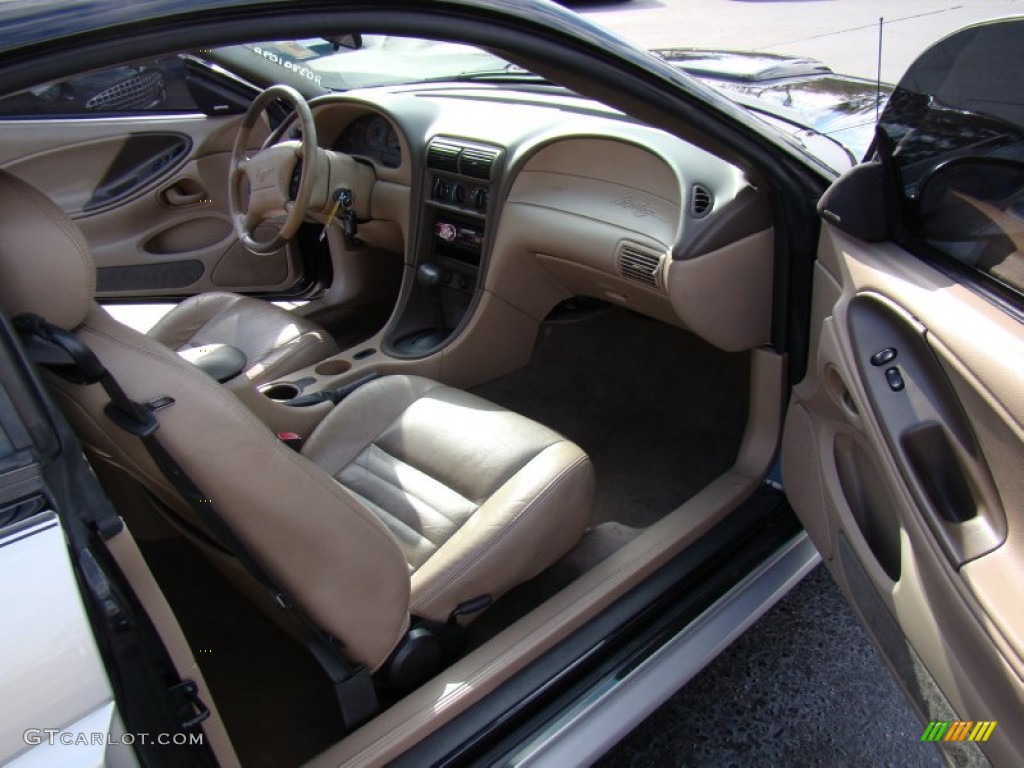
[(274, 341), (479, 498)]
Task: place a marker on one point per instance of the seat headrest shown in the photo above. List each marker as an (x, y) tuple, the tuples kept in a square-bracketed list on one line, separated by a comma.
[(45, 264)]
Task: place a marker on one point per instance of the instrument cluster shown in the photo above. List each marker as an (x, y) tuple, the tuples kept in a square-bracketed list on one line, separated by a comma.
[(372, 137)]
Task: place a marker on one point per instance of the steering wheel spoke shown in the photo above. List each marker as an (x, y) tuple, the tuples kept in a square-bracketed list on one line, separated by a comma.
[(251, 220), (269, 175)]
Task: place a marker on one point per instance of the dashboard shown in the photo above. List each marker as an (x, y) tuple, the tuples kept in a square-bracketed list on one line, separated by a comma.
[(535, 196)]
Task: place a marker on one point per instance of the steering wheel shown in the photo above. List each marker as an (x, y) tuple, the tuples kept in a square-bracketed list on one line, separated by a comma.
[(269, 173)]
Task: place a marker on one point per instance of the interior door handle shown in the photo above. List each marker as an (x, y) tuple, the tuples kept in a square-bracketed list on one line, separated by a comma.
[(183, 193), (966, 523), (924, 423)]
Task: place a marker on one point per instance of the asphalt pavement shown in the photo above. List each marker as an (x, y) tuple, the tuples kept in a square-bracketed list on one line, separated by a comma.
[(842, 33), (803, 687)]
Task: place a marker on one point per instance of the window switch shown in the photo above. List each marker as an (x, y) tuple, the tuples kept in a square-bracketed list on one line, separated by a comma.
[(895, 379)]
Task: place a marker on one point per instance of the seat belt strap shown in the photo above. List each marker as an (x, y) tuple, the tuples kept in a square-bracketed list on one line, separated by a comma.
[(69, 357)]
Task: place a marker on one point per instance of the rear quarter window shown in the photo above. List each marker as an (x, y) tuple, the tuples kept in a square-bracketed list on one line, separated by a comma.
[(157, 85)]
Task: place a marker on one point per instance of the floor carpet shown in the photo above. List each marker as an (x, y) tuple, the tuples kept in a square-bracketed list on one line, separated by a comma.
[(659, 411)]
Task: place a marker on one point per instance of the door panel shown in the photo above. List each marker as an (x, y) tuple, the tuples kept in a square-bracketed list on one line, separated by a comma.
[(150, 195), (908, 474)]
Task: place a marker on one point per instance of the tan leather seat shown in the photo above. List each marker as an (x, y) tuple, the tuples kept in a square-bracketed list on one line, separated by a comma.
[(478, 498), (275, 342), (409, 498)]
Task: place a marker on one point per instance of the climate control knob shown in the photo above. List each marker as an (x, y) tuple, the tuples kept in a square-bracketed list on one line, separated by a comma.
[(439, 189), (458, 194), (479, 198)]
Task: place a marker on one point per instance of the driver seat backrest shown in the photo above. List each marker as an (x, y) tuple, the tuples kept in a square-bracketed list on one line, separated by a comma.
[(316, 540)]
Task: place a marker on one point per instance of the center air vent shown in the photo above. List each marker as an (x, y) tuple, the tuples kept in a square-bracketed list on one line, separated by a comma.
[(701, 201), (477, 162), (640, 264), (444, 156), (449, 156)]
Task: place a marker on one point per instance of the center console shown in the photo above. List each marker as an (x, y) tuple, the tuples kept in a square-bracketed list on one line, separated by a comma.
[(450, 245)]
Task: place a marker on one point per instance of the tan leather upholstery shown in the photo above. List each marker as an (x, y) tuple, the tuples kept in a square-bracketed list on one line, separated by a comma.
[(275, 341), (451, 497), (55, 275), (460, 482), (318, 541)]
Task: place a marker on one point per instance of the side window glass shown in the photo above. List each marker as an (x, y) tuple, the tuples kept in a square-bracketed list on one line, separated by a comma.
[(973, 210), (157, 85), (953, 131)]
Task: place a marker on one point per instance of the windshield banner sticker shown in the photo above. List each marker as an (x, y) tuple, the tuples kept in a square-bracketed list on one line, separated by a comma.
[(291, 66)]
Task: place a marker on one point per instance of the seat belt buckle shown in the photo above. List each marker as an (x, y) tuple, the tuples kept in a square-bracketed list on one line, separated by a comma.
[(292, 439)]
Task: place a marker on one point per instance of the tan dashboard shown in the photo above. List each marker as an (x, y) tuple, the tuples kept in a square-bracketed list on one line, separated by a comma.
[(588, 204)]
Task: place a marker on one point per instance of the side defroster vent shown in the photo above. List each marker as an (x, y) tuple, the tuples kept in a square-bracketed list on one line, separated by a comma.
[(701, 201), (640, 264)]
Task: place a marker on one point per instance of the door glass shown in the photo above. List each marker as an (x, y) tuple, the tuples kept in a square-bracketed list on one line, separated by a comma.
[(955, 128), (157, 85)]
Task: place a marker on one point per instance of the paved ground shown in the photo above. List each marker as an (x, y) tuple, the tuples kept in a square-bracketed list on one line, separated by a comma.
[(842, 33), (804, 687)]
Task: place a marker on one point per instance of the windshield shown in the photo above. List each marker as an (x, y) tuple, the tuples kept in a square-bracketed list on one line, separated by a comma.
[(826, 118), (364, 61)]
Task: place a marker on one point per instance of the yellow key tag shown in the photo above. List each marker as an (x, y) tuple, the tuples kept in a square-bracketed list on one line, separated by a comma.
[(331, 215)]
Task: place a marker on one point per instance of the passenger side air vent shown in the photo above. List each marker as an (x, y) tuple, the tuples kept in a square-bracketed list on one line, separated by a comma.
[(444, 156), (477, 162), (701, 201), (640, 264)]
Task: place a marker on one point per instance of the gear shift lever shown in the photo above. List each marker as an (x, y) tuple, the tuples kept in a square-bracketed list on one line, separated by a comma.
[(428, 276)]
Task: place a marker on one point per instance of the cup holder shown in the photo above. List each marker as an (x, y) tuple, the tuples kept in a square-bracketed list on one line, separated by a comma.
[(281, 392), (332, 367)]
